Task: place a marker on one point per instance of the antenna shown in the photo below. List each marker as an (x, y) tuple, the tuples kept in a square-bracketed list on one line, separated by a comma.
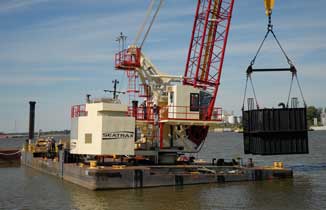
[(121, 39), (114, 91)]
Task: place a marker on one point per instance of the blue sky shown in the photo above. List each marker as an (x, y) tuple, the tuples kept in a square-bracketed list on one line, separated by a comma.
[(56, 51)]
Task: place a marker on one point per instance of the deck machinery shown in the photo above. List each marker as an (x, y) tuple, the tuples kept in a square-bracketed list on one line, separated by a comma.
[(175, 112)]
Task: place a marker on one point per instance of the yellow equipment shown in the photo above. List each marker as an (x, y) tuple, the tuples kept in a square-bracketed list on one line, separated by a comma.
[(269, 5), (278, 165), (92, 164)]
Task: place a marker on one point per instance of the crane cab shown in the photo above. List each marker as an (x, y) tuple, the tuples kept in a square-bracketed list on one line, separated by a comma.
[(186, 102)]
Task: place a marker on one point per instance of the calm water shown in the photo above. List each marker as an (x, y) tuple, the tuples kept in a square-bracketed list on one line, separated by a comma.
[(24, 188)]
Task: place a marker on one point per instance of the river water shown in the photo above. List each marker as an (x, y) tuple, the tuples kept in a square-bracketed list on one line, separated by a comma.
[(25, 188)]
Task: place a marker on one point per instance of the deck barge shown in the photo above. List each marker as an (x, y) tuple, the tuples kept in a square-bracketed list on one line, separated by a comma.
[(127, 177), (9, 157)]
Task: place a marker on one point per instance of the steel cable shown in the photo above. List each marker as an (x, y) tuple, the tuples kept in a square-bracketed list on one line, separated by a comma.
[(287, 103), (270, 30), (254, 92), (284, 53), (259, 49), (245, 94), (151, 23), (304, 101), (142, 27)]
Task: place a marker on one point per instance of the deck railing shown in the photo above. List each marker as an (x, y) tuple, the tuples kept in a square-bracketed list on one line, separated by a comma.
[(78, 111), (175, 113), (128, 59)]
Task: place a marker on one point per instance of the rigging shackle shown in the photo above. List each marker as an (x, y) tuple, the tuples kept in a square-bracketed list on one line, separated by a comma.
[(269, 5)]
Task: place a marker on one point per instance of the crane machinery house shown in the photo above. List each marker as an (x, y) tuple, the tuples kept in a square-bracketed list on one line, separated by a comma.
[(102, 127)]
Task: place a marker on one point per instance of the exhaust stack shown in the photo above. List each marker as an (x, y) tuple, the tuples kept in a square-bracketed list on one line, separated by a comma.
[(31, 119)]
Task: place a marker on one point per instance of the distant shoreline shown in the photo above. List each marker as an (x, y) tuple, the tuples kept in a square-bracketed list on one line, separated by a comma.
[(25, 134), (318, 128)]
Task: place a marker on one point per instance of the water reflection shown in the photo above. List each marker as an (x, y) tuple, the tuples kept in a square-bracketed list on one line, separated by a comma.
[(151, 198), (24, 188), (288, 194)]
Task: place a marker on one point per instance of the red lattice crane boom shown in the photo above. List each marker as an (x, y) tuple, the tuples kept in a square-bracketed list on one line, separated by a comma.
[(207, 46)]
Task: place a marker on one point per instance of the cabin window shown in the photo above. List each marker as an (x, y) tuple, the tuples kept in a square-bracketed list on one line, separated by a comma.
[(88, 138), (194, 102), (171, 97)]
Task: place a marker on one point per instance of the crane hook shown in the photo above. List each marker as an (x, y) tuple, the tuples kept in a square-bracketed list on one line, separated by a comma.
[(269, 5)]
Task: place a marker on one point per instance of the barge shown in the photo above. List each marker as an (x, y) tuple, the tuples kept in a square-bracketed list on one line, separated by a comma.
[(9, 157), (128, 177), (167, 118)]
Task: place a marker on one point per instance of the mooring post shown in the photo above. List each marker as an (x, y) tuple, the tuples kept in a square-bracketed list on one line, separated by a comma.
[(31, 120)]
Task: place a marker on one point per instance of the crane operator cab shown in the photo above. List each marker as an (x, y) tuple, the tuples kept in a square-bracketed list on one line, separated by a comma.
[(188, 103)]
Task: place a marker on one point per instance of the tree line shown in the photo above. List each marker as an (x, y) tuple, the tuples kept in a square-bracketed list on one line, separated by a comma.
[(313, 112)]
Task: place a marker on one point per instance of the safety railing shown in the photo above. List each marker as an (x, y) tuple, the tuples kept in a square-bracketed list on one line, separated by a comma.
[(217, 114), (141, 113), (78, 111), (175, 113), (190, 113), (128, 59), (144, 91)]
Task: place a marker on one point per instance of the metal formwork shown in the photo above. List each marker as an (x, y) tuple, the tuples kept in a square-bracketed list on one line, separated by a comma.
[(275, 131)]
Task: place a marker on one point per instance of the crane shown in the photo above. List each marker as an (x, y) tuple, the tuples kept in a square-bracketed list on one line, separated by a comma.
[(176, 111), (186, 102)]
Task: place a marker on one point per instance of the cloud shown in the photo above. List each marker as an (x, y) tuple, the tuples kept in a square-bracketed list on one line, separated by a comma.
[(67, 40), (314, 71), (295, 45), (35, 80), (173, 11), (10, 5), (300, 6), (308, 23), (83, 39)]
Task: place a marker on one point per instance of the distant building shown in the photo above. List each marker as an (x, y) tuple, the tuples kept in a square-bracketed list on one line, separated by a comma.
[(315, 121), (239, 119), (230, 118), (323, 118)]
